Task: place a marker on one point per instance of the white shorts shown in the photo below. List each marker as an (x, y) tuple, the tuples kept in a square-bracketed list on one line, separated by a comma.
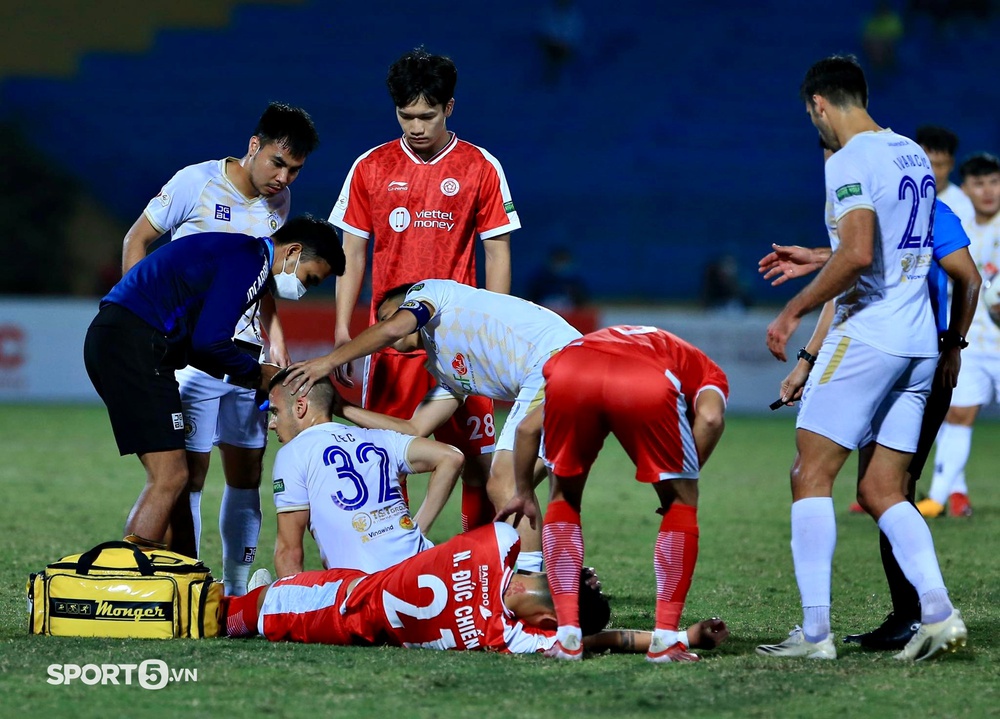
[(531, 395), (219, 413), (979, 380), (857, 394)]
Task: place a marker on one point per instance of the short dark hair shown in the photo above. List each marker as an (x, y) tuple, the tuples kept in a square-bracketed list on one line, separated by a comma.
[(982, 163), (318, 237), (595, 610), (937, 139), (418, 74), (287, 125), (397, 291), (838, 78)]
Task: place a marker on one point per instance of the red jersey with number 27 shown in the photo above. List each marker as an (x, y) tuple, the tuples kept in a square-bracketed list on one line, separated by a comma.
[(424, 215), (447, 597)]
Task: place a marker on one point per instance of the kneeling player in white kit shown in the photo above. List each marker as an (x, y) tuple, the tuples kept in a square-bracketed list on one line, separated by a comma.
[(249, 196), (342, 483)]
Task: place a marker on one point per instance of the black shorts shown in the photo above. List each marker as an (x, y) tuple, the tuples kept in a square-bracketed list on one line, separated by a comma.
[(132, 365), (934, 412)]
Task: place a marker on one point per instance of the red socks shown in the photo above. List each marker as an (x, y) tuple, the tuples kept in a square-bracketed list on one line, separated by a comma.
[(240, 614), (674, 558), (477, 509), (562, 548)]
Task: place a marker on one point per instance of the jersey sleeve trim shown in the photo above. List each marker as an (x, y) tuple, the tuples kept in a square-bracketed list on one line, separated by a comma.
[(151, 221), (852, 208), (292, 508), (714, 388), (341, 225), (508, 228)]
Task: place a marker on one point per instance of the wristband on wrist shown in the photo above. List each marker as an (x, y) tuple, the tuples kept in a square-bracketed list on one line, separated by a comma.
[(804, 354), (949, 339)]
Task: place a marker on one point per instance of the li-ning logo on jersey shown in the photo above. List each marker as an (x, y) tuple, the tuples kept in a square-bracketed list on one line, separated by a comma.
[(450, 186), (398, 186), (458, 364), (222, 212)]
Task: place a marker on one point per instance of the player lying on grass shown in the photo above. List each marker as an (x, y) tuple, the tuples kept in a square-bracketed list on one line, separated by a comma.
[(462, 595)]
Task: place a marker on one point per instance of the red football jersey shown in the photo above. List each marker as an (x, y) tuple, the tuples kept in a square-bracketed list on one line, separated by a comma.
[(663, 350), (424, 215), (448, 597)]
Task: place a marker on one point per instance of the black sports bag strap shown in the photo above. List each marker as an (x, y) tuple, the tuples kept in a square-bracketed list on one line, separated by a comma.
[(87, 559)]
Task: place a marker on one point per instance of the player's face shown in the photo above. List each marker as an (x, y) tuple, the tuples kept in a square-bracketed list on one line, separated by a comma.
[(942, 164), (984, 191), (424, 126), (386, 310), (310, 272), (272, 167), (280, 418), (822, 126)]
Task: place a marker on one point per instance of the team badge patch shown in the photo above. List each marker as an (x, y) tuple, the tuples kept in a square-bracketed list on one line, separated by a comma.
[(272, 222), (279, 486), (164, 198), (361, 521), (190, 427), (458, 364), (854, 189), (405, 522), (222, 212), (450, 187)]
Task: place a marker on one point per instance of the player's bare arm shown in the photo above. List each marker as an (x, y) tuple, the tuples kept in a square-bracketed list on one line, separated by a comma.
[(527, 442), (793, 384), (288, 545), (855, 253), (427, 417), (786, 262), (445, 463), (303, 375), (497, 251), (275, 334), (709, 423), (707, 634), (348, 291), (137, 241), (966, 283)]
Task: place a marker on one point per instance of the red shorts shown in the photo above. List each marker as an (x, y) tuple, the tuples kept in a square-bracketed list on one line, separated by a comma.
[(305, 607), (589, 394), (395, 383)]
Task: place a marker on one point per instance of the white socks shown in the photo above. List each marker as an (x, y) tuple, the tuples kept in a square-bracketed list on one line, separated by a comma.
[(814, 537), (195, 502), (529, 561), (913, 548), (239, 525), (953, 444)]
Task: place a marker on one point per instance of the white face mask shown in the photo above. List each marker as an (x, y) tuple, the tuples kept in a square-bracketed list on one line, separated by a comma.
[(287, 285)]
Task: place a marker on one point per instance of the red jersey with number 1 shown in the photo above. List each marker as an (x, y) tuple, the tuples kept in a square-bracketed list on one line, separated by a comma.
[(447, 597), (424, 215)]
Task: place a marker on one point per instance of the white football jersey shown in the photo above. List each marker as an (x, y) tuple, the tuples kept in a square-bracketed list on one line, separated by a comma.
[(889, 306), (202, 198), (485, 343), (984, 336), (958, 201), (348, 479)]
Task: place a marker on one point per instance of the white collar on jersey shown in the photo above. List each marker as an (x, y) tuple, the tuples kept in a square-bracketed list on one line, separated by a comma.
[(452, 143)]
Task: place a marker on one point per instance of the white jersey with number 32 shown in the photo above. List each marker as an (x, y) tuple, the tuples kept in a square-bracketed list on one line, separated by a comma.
[(889, 306)]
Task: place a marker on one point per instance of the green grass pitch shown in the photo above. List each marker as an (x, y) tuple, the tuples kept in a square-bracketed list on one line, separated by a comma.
[(65, 489)]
